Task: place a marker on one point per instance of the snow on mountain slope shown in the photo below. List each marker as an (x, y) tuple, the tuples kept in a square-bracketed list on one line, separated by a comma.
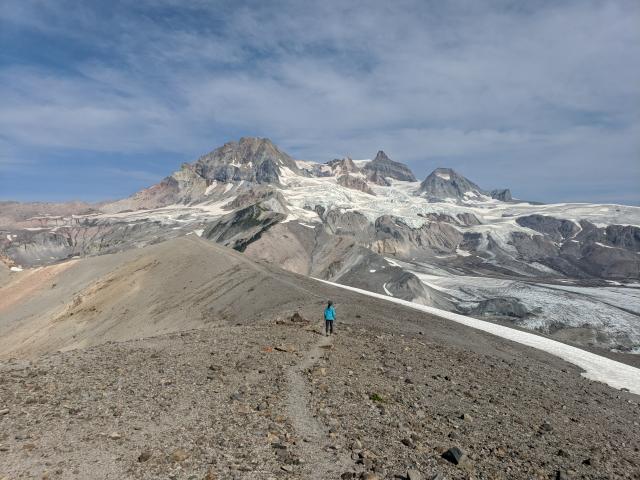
[(598, 368), (471, 251)]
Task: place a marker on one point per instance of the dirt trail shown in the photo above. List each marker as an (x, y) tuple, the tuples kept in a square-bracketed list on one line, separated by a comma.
[(320, 464)]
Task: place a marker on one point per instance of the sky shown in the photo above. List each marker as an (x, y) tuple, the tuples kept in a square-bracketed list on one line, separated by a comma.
[(99, 99)]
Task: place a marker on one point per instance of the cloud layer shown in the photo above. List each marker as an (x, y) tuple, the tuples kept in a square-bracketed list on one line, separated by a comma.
[(542, 97)]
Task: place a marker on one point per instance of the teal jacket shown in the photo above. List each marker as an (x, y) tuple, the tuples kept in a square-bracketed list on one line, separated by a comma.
[(330, 313)]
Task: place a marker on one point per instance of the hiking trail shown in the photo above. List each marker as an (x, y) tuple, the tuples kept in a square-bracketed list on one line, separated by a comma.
[(320, 462)]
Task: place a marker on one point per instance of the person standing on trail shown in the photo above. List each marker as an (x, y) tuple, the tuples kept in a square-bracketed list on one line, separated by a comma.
[(329, 318)]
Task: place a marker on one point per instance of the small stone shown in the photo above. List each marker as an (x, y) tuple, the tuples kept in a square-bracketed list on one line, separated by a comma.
[(407, 442), (210, 475), (466, 417), (413, 474), (453, 455), (369, 476), (179, 455), (348, 475), (115, 436), (286, 468), (4, 411), (144, 456), (562, 475), (545, 427)]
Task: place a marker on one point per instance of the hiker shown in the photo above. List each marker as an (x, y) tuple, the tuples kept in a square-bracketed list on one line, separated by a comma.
[(329, 318)]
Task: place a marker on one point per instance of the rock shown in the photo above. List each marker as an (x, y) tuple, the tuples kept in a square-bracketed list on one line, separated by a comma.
[(466, 417), (286, 468), (407, 442), (4, 411), (285, 348), (179, 455), (369, 476), (115, 436), (561, 475), (210, 475), (144, 456), (348, 475), (413, 474), (297, 318), (454, 455), (545, 428), (382, 166)]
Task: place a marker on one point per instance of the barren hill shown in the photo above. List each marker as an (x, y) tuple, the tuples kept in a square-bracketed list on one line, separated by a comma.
[(185, 360)]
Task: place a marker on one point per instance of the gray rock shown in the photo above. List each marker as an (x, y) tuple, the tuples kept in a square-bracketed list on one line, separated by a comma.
[(454, 455), (250, 159), (413, 474), (383, 167)]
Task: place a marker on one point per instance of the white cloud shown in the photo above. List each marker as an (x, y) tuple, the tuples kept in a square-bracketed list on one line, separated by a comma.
[(503, 91)]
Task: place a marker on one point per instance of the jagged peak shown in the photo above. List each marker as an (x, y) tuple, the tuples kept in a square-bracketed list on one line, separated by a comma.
[(385, 167)]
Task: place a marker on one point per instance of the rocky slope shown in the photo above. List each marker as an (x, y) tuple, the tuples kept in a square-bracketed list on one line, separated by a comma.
[(446, 183), (187, 360)]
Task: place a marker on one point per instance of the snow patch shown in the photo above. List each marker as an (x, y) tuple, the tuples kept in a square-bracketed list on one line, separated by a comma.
[(386, 290), (210, 188), (16, 269), (443, 176), (615, 374)]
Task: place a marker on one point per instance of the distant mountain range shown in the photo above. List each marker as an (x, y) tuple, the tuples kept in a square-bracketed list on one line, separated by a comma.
[(569, 270)]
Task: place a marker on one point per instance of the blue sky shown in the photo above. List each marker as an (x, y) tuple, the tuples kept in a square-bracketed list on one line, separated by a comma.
[(100, 99)]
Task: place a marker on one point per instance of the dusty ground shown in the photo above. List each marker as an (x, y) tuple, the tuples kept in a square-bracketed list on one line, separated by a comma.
[(246, 393)]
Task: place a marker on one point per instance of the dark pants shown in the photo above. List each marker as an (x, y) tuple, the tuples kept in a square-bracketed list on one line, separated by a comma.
[(328, 326)]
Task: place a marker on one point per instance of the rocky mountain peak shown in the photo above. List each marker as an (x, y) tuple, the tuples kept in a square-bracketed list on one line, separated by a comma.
[(343, 166), (251, 159), (446, 183), (382, 167)]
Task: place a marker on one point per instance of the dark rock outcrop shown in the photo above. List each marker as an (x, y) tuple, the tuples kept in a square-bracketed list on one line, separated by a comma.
[(355, 183), (557, 229), (446, 183), (383, 167), (503, 194), (242, 227), (500, 307)]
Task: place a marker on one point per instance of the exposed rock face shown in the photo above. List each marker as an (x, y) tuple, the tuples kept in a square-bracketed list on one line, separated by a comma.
[(580, 250), (557, 229), (503, 194), (446, 183), (393, 236), (343, 166), (355, 183), (500, 307), (184, 186), (383, 167), (250, 159), (242, 227)]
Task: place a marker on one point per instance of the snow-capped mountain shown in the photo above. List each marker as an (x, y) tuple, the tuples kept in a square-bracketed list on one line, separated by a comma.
[(570, 270), (445, 184)]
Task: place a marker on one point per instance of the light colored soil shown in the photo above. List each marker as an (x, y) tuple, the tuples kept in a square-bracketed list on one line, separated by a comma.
[(190, 359)]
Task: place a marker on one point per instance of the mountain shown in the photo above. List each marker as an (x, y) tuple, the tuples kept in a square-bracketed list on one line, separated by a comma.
[(566, 270), (382, 167), (250, 159), (185, 359), (446, 183)]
